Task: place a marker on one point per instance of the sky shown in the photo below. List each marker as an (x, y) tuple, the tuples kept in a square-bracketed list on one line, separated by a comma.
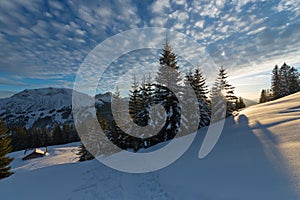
[(44, 43)]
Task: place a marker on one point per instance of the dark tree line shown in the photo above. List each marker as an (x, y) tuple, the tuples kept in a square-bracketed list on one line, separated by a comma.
[(285, 81), (5, 148), (23, 138)]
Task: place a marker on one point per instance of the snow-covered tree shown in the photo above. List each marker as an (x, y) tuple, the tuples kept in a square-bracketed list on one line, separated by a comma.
[(198, 83), (168, 72), (168, 79)]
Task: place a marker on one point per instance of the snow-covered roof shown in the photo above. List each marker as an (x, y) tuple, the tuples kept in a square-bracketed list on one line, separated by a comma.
[(36, 150)]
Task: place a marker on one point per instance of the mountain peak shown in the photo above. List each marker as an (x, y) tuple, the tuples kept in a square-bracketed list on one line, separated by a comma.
[(42, 107)]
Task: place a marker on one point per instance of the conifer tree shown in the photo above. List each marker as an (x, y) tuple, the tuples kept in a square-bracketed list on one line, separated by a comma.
[(57, 135), (198, 83), (168, 79), (223, 90), (84, 154), (145, 102), (293, 79), (275, 85), (263, 96), (240, 103), (20, 138), (284, 80), (134, 100), (168, 61), (5, 148)]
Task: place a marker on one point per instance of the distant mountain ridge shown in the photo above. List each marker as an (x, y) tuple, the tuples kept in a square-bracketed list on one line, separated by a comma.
[(43, 107), (250, 102)]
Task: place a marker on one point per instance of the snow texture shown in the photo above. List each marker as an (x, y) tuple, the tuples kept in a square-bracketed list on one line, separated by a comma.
[(257, 157)]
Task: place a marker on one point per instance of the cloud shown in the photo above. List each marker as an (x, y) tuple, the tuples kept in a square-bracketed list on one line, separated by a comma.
[(50, 42), (6, 81)]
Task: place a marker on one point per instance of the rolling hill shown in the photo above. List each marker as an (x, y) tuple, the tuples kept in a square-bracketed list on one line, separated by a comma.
[(257, 157)]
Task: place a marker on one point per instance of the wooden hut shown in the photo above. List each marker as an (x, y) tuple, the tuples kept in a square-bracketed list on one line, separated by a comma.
[(36, 153)]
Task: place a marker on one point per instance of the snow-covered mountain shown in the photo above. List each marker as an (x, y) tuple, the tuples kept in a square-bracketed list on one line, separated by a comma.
[(42, 107), (256, 157)]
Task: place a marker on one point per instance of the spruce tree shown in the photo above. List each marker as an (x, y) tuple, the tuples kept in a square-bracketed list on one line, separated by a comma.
[(20, 138), (263, 97), (134, 100), (57, 135), (198, 83), (84, 154), (222, 90), (168, 60), (145, 102), (168, 79), (275, 85), (5, 148), (293, 79), (240, 103), (284, 80)]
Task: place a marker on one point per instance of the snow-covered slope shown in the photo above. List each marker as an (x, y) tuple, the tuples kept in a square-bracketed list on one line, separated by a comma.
[(257, 157), (41, 107)]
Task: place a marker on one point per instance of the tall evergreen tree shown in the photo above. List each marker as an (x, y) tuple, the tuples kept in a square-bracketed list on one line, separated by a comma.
[(275, 85), (20, 138), (168, 61), (198, 83), (168, 79), (57, 135), (223, 90), (293, 79), (5, 148), (284, 80), (134, 100), (145, 103)]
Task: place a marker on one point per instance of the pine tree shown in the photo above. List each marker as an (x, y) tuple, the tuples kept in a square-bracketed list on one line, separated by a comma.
[(134, 100), (263, 97), (240, 103), (84, 154), (168, 79), (57, 135), (198, 83), (46, 139), (222, 90), (168, 74), (266, 95), (293, 79), (284, 80), (275, 85), (20, 138), (145, 102), (5, 148)]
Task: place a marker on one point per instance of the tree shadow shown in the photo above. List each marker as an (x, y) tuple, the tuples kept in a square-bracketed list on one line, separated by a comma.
[(242, 163)]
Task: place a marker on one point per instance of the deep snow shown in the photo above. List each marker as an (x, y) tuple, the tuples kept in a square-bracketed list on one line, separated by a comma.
[(257, 157)]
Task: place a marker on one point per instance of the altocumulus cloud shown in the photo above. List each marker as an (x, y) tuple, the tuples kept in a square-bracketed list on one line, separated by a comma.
[(50, 39)]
